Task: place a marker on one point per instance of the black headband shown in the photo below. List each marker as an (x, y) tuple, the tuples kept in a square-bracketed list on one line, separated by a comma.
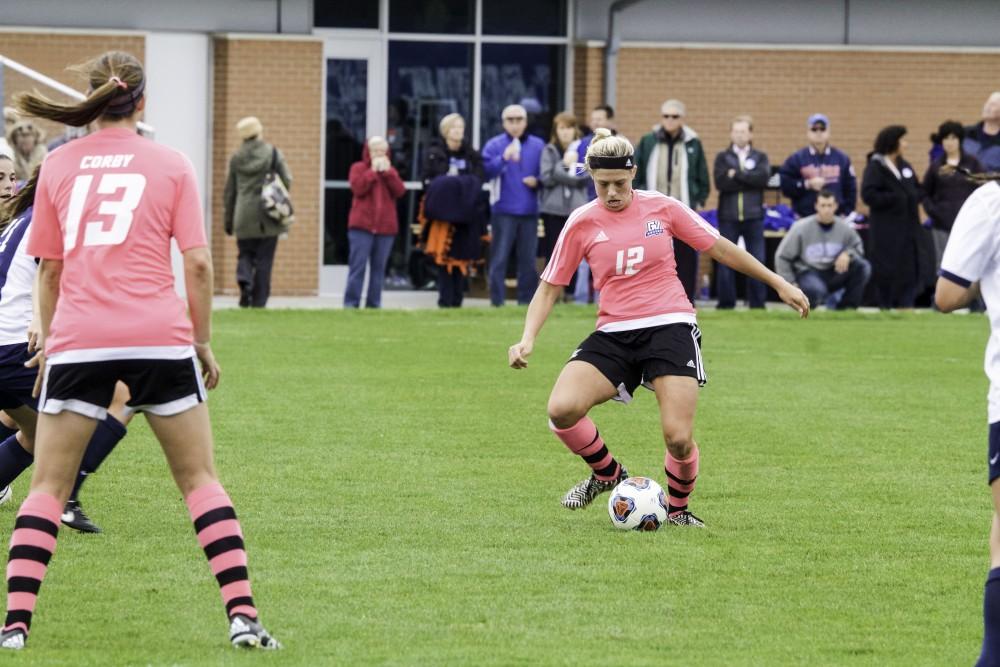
[(124, 103), (601, 162)]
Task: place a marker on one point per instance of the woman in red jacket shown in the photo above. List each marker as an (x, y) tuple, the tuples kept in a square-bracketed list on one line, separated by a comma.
[(372, 224)]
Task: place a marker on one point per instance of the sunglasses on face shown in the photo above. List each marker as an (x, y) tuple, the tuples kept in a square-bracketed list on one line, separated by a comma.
[(672, 116), (513, 119), (818, 128)]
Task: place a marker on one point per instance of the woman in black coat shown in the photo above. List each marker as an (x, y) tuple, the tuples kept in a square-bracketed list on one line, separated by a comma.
[(453, 210), (892, 192), (944, 188)]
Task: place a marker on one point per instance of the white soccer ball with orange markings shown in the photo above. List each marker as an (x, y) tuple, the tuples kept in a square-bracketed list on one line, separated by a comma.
[(638, 503)]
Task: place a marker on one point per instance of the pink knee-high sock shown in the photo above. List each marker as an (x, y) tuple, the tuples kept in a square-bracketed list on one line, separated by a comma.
[(681, 477), (31, 546), (584, 440), (220, 535)]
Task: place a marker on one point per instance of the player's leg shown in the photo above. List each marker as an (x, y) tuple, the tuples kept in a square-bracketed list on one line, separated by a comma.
[(108, 433), (673, 367), (186, 439), (580, 387), (59, 445), (678, 399), (7, 425), (990, 654), (17, 450)]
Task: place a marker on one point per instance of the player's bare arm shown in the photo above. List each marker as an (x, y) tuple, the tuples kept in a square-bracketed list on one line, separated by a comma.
[(736, 258), (538, 311)]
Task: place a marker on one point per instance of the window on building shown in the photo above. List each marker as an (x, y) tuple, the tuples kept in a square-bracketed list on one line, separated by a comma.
[(346, 106), (454, 17), (427, 81), (524, 17), (346, 14), (527, 74)]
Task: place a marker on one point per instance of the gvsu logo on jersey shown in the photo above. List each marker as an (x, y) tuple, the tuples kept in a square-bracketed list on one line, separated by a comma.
[(653, 228)]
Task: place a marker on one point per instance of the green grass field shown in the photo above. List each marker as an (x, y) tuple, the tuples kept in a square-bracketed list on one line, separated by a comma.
[(399, 490)]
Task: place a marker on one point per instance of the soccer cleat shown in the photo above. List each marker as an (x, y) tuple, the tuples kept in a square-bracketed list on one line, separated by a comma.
[(6, 494), (584, 493), (74, 517), (13, 639), (685, 518), (245, 633)]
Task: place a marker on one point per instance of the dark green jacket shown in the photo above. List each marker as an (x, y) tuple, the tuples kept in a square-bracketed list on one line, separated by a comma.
[(697, 167), (247, 169)]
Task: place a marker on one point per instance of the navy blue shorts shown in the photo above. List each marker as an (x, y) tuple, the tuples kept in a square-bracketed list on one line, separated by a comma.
[(16, 381), (993, 455)]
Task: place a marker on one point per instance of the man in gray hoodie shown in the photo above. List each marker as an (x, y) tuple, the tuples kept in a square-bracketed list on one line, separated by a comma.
[(256, 234), (822, 254)]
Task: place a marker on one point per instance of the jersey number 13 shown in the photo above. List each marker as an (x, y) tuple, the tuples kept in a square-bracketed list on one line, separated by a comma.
[(120, 209)]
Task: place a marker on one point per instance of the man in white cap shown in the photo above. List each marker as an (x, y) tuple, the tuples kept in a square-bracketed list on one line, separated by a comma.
[(256, 233)]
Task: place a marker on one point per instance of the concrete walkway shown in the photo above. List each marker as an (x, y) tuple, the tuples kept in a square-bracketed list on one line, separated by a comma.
[(391, 299)]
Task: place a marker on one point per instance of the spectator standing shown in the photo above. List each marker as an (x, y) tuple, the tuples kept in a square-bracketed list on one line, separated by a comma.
[(741, 174), (816, 167), (944, 189), (982, 140), (373, 223), (512, 162), (452, 175), (891, 190), (256, 234), (822, 254), (25, 140), (564, 183), (601, 116), (671, 160)]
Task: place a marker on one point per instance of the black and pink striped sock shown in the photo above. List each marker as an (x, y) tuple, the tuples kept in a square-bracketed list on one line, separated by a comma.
[(681, 478), (31, 546), (584, 440), (221, 537)]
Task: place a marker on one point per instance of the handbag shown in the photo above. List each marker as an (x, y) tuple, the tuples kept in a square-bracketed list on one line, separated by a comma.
[(275, 202)]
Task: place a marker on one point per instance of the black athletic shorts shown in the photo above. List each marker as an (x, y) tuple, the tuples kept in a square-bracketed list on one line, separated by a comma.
[(160, 386), (632, 358)]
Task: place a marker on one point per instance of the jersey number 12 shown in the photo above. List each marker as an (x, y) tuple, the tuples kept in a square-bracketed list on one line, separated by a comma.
[(628, 265), (121, 209)]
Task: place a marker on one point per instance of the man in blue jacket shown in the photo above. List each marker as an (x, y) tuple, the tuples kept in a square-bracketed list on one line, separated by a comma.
[(512, 161), (817, 166)]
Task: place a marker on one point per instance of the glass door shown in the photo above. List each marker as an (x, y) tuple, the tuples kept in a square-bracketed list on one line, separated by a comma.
[(354, 111)]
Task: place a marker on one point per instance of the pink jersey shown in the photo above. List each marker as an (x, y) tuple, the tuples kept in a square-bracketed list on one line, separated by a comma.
[(631, 256), (107, 205)]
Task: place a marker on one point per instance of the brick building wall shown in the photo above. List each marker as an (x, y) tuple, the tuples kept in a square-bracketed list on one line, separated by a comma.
[(51, 54), (280, 81), (861, 92)]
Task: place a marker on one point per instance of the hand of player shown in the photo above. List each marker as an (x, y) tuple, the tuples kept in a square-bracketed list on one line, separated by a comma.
[(842, 263), (794, 297), (512, 152), (37, 361), (34, 336), (517, 354), (209, 367), (530, 181)]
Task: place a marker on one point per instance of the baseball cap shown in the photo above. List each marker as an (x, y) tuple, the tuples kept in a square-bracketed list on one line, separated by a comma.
[(818, 118)]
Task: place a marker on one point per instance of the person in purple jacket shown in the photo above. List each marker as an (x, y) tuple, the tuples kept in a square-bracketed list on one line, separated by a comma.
[(512, 162)]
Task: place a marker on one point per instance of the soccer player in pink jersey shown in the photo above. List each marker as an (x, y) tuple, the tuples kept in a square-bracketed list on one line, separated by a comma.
[(646, 328), (106, 208)]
